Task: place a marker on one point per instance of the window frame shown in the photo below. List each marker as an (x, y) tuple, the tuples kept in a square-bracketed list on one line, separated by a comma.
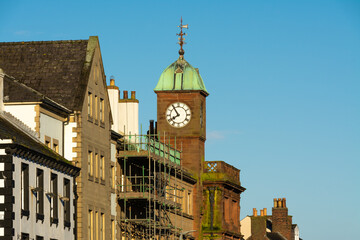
[(25, 193), (67, 209), (40, 194), (54, 211)]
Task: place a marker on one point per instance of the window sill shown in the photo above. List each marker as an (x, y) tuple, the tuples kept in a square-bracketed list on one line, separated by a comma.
[(39, 217), (102, 181), (54, 221), (25, 213), (67, 224)]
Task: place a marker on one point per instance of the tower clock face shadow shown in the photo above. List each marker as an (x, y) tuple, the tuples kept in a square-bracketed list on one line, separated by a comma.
[(178, 114)]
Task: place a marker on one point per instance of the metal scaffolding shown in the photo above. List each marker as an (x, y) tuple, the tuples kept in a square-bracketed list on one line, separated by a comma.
[(150, 190)]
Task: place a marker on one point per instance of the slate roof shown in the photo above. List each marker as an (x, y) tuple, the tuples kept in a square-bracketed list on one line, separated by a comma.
[(9, 130), (14, 91), (57, 69)]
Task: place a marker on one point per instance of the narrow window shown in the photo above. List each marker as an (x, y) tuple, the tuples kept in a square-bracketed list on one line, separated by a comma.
[(90, 163), (102, 116), (39, 238), (96, 108), (102, 227), (66, 194), (112, 176), (96, 225), (39, 194), (189, 203), (96, 165), (233, 212), (90, 104), (102, 167), (53, 199), (56, 145), (112, 230), (24, 189), (48, 141), (90, 225)]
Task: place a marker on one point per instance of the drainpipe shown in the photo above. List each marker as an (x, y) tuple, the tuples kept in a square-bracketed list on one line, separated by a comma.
[(63, 135), (212, 201), (75, 207), (2, 75)]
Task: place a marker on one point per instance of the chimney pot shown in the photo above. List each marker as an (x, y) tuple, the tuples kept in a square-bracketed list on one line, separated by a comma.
[(261, 212), (125, 94), (132, 94), (284, 202), (265, 212), (275, 203), (279, 202), (254, 212), (112, 81)]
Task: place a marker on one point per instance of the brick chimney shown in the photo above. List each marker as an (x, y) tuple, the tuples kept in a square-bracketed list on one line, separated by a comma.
[(281, 221)]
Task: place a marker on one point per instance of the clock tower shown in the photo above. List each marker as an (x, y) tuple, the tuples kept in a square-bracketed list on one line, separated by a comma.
[(181, 115)]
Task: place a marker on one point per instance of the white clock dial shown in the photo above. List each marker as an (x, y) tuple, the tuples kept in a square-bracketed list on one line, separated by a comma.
[(178, 114)]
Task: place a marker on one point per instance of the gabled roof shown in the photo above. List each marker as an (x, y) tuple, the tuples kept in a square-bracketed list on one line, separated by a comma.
[(26, 144), (57, 69)]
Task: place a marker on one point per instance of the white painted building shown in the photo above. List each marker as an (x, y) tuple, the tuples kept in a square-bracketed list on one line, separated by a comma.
[(47, 118), (36, 187)]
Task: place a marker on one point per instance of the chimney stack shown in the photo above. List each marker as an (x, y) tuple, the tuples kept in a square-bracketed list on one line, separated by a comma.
[(254, 212), (132, 94), (151, 127), (125, 94)]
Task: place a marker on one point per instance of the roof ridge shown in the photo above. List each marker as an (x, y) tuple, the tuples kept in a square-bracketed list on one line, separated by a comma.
[(21, 125), (43, 42)]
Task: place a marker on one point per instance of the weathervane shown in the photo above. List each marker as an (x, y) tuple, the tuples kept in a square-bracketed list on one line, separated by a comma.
[(181, 38)]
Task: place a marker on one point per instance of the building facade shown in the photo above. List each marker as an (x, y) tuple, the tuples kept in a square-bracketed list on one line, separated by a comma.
[(132, 184), (37, 186), (71, 74), (278, 225)]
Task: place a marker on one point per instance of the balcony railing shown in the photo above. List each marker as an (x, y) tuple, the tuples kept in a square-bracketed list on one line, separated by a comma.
[(150, 143), (219, 170)]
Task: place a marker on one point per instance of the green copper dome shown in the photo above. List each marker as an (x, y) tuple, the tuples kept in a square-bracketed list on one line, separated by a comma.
[(180, 75)]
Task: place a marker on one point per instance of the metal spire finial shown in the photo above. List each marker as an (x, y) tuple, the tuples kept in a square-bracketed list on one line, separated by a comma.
[(181, 38)]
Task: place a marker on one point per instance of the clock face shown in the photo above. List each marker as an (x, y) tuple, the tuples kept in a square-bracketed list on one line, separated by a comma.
[(178, 114)]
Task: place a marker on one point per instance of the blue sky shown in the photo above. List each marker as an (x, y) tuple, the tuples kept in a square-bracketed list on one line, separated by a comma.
[(283, 77)]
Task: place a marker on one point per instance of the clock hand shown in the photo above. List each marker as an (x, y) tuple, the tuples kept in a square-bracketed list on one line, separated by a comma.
[(177, 114)]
